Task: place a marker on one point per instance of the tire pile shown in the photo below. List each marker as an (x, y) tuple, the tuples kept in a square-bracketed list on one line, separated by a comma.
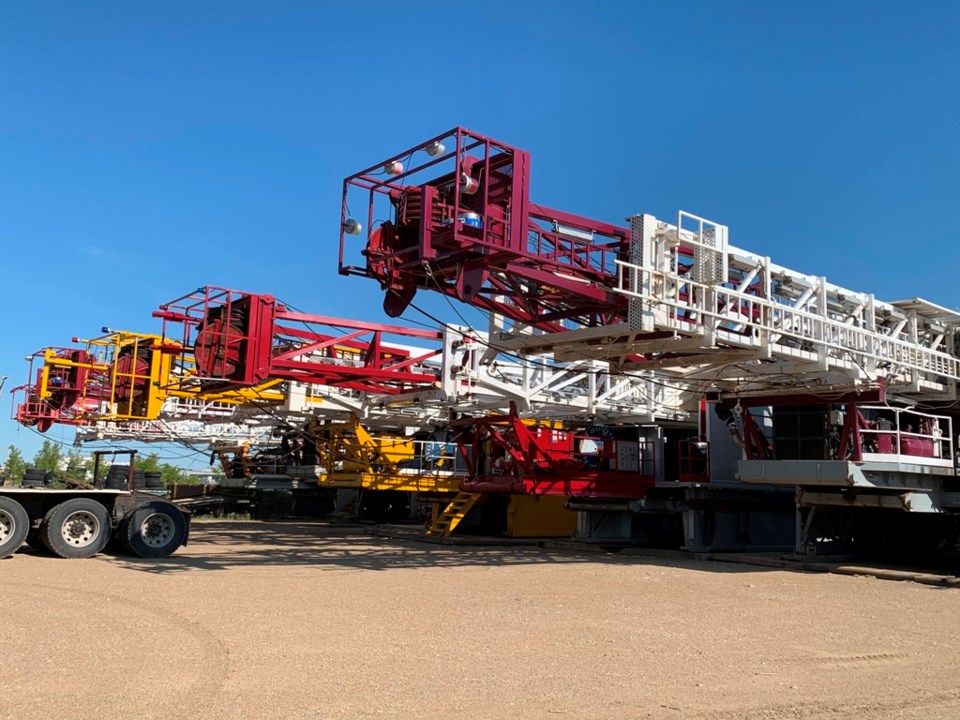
[(36, 478), (118, 475), (79, 522)]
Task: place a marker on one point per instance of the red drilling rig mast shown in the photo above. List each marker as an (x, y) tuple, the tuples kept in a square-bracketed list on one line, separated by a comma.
[(462, 222)]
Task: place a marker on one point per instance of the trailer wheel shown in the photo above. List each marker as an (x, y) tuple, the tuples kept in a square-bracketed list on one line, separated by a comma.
[(76, 528), (14, 526), (153, 530)]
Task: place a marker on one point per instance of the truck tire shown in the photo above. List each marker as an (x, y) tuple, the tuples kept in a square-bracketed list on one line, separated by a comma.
[(14, 526), (153, 530), (76, 528)]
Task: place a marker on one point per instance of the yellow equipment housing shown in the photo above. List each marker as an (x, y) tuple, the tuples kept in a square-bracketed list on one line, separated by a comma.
[(136, 373), (352, 457)]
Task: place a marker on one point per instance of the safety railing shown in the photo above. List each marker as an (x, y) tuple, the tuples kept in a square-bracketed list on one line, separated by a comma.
[(694, 460), (907, 436), (748, 321), (434, 456), (608, 455)]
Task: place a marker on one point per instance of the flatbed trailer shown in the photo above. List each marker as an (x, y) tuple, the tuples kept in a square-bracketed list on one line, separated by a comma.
[(79, 522)]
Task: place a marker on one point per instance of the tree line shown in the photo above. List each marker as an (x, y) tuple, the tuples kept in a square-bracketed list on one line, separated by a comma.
[(74, 465)]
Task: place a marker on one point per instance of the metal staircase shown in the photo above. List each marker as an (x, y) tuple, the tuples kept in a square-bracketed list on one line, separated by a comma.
[(452, 515)]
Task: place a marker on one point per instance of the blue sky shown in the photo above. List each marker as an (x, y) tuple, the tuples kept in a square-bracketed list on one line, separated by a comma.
[(149, 148)]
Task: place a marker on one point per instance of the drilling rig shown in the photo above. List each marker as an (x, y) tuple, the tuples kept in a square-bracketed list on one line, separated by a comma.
[(840, 398)]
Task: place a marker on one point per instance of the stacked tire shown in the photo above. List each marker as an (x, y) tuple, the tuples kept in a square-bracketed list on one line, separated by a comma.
[(118, 478), (36, 478), (152, 481)]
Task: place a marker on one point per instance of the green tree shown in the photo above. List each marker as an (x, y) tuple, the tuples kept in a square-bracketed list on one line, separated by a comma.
[(172, 475), (15, 465), (147, 463), (48, 456), (76, 465)]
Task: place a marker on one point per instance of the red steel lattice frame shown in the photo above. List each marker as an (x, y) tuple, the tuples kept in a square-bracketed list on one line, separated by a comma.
[(67, 392), (473, 233), (240, 339), (503, 454)]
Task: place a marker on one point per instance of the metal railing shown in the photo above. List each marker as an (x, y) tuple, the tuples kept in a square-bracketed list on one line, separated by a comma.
[(740, 319), (900, 435)]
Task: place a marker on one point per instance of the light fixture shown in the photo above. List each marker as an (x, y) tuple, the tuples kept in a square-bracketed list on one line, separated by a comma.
[(352, 227), (573, 232), (393, 168), (468, 186), (435, 148)]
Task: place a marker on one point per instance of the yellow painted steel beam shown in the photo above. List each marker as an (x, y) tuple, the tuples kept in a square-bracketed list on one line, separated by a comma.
[(158, 381), (418, 482), (357, 458)]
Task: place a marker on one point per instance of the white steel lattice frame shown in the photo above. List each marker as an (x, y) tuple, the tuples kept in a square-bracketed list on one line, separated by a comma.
[(734, 319)]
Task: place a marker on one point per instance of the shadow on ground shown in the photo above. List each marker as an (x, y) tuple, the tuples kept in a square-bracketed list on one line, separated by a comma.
[(226, 545)]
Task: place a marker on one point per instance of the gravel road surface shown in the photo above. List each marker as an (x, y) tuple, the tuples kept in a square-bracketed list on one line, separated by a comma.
[(299, 620)]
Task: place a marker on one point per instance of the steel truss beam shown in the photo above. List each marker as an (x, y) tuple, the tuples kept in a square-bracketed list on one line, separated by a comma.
[(505, 454), (658, 296)]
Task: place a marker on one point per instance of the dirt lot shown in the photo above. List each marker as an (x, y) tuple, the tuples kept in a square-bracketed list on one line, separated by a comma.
[(303, 621)]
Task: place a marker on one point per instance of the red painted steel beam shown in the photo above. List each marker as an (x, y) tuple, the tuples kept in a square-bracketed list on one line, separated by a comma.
[(463, 224), (241, 339), (604, 486), (537, 461)]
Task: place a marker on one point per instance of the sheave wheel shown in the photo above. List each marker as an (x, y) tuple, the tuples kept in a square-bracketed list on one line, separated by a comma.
[(153, 530), (76, 528), (14, 526)]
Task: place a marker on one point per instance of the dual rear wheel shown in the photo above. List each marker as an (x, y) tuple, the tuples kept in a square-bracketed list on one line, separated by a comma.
[(81, 527)]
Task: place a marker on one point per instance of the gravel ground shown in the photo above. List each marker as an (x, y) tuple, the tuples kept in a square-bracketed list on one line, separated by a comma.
[(298, 620)]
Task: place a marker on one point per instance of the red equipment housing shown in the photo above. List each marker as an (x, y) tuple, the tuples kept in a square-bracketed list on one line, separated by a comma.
[(504, 454), (462, 222), (65, 390), (241, 339)]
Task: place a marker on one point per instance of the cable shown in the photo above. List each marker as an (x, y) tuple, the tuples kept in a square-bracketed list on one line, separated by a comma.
[(796, 378), (538, 363), (46, 437), (431, 276)]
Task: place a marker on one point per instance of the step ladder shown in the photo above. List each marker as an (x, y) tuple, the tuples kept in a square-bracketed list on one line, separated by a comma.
[(447, 521)]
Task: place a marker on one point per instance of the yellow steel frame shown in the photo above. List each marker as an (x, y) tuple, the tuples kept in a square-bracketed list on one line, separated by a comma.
[(240, 454), (352, 457), (52, 361), (148, 405), (157, 379)]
